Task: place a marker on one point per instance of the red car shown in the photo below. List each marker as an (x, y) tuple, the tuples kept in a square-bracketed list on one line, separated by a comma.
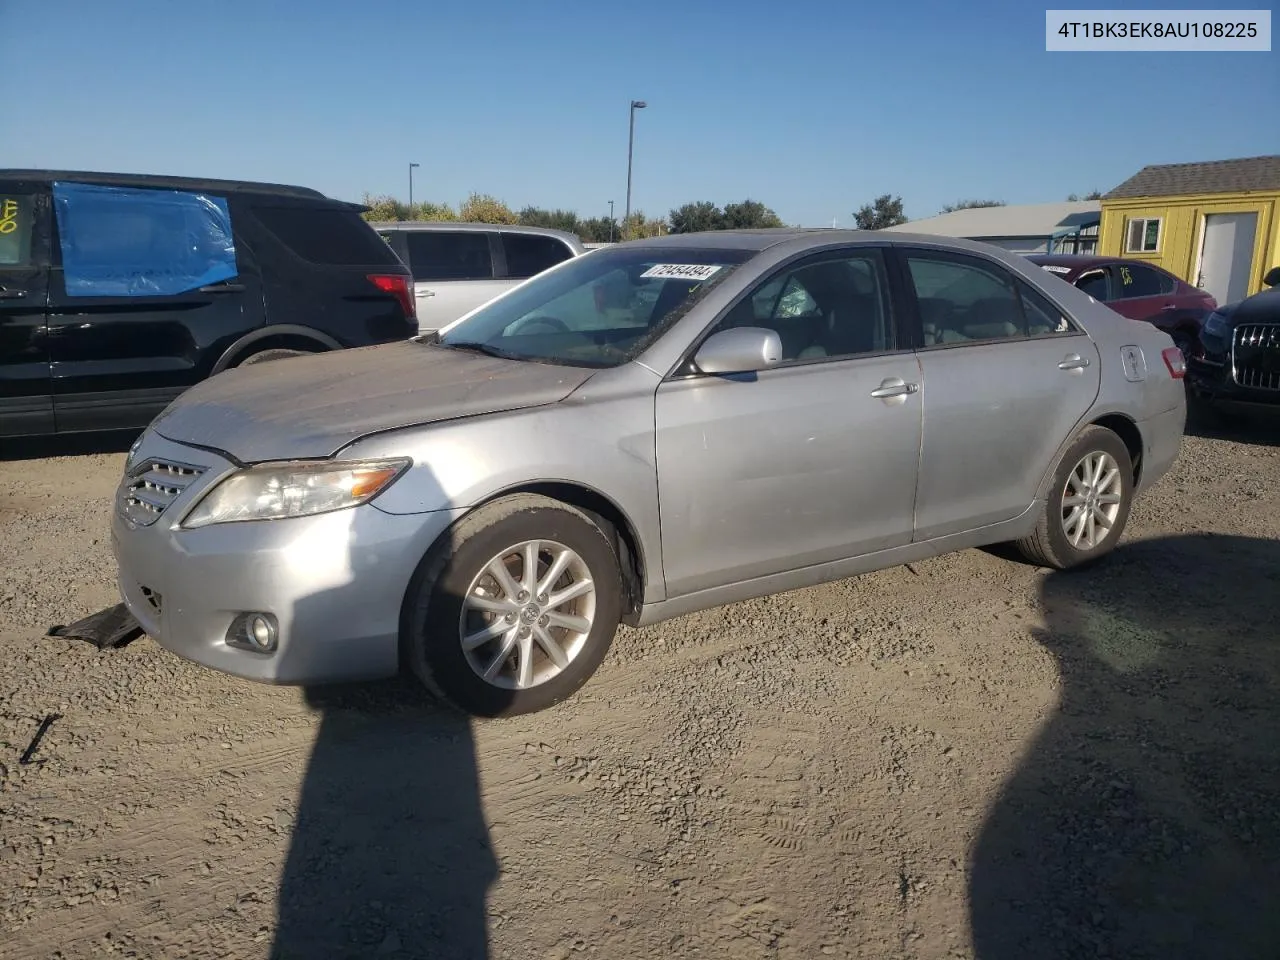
[(1138, 291)]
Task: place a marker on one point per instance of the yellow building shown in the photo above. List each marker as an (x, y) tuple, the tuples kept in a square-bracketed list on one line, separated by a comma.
[(1215, 224)]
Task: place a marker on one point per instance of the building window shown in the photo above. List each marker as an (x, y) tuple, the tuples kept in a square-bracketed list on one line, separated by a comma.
[(1144, 236)]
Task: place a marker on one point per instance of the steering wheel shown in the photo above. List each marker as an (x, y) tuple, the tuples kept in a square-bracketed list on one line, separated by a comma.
[(556, 326)]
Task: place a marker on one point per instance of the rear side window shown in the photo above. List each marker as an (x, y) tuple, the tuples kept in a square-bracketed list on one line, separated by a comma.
[(327, 235), (17, 216), (529, 254), (449, 255), (140, 242)]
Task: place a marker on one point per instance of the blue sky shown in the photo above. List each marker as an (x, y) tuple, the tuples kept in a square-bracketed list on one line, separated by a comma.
[(811, 106)]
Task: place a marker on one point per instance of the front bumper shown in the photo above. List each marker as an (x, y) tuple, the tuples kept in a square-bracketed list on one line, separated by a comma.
[(334, 582), (1251, 378)]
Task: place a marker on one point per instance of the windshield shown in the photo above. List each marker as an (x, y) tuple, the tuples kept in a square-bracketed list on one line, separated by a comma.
[(598, 310)]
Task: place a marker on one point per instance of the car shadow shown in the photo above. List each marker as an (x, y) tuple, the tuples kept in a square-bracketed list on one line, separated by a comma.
[(1143, 820), (70, 445), (1256, 426), (389, 853)]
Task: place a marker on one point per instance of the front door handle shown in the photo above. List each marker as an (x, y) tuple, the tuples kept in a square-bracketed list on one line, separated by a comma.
[(894, 387), (1074, 362), (12, 294)]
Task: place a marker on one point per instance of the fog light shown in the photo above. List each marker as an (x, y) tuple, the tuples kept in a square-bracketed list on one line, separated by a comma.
[(254, 631)]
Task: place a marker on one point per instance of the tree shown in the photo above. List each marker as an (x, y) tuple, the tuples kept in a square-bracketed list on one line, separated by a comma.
[(886, 211), (565, 220), (1091, 195), (696, 217), (598, 230), (483, 208), (638, 226), (971, 205), (750, 214), (384, 208)]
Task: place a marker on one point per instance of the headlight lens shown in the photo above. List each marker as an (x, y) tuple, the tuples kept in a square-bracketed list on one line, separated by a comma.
[(1215, 324), (274, 491)]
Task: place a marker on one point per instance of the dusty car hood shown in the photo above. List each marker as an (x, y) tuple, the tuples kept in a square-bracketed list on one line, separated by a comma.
[(313, 406)]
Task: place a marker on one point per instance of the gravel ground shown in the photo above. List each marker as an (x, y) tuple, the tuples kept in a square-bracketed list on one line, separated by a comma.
[(965, 758)]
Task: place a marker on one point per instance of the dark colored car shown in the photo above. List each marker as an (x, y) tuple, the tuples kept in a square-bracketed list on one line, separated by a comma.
[(1238, 359), (1138, 291), (120, 291)]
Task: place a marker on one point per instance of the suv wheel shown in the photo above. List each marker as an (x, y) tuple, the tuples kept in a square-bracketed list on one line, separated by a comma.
[(1088, 504), (515, 608)]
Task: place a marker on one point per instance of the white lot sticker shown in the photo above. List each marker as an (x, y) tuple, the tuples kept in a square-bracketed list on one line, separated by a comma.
[(680, 271), (1052, 269)]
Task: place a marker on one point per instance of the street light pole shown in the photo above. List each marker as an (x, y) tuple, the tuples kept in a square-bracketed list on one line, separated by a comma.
[(411, 166), (631, 140), (611, 221)]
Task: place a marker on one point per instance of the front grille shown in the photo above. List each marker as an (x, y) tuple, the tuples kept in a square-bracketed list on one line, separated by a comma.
[(1256, 355), (154, 484)]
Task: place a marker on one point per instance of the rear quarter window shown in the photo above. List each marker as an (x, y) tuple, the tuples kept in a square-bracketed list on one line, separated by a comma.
[(328, 236), (530, 254)]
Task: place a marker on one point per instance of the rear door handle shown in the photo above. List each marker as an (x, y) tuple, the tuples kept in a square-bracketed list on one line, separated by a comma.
[(12, 294), (1074, 362), (424, 293), (894, 387), (223, 288)]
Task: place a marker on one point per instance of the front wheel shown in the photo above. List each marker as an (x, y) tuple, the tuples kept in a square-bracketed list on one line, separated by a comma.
[(515, 609), (1088, 504)]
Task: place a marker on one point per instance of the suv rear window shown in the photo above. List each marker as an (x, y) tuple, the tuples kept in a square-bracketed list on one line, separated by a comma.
[(329, 236), (529, 254), (449, 254)]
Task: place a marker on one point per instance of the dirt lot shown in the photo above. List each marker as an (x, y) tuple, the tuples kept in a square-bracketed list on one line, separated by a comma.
[(968, 758)]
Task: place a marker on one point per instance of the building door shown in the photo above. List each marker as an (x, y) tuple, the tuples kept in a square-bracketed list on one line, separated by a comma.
[(1226, 255)]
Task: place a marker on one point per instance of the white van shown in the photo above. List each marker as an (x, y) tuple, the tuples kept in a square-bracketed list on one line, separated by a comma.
[(458, 266)]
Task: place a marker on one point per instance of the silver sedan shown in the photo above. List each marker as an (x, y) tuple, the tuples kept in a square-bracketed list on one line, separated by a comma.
[(655, 428)]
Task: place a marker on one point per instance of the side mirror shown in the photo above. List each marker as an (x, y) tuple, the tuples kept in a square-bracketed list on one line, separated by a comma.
[(1272, 279), (739, 350)]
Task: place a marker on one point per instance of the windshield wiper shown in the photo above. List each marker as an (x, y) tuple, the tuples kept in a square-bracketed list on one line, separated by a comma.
[(476, 347)]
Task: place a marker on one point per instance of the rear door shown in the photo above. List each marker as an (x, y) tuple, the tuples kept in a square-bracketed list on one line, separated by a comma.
[(146, 284), (26, 401), (454, 271), (1005, 379), (1138, 292)]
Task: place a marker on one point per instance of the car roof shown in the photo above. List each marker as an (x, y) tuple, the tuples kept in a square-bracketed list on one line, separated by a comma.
[(457, 225), (158, 180), (800, 239)]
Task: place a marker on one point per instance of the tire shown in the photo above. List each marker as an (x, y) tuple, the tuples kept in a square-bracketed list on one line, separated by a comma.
[(433, 624), (273, 353), (1049, 545)]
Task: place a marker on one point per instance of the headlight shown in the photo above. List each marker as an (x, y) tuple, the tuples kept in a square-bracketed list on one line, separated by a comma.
[(1216, 325), (132, 457), (274, 491)]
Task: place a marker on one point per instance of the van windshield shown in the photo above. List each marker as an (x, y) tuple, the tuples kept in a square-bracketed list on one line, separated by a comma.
[(601, 309)]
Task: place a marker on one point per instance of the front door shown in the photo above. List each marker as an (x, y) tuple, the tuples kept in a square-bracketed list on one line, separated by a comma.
[(146, 289), (1006, 378), (1226, 255), (26, 402), (453, 273), (811, 461)]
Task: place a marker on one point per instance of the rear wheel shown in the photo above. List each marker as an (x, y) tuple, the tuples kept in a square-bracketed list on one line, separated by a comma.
[(1088, 504), (515, 609)]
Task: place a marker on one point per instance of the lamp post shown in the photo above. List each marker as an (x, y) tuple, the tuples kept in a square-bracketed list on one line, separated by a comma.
[(631, 140), (411, 166), (611, 221)]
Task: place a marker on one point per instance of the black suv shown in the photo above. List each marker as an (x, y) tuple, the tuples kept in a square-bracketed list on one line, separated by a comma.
[(119, 291), (1238, 359)]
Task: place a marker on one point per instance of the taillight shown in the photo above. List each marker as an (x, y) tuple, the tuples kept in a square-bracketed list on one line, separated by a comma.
[(400, 287), (1175, 362)]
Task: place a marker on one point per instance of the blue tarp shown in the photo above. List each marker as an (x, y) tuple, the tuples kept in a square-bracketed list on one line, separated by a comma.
[(136, 242)]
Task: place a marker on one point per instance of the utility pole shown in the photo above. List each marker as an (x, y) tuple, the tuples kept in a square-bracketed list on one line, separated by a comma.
[(631, 140), (411, 166), (611, 221)]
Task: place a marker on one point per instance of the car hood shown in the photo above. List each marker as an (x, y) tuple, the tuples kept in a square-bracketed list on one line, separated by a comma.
[(313, 406), (1262, 307)]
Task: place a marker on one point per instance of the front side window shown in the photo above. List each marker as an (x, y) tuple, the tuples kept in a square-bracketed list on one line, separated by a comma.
[(529, 254), (17, 224), (1094, 283), (832, 307), (140, 242), (1134, 280), (1143, 236), (601, 310), (449, 255)]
